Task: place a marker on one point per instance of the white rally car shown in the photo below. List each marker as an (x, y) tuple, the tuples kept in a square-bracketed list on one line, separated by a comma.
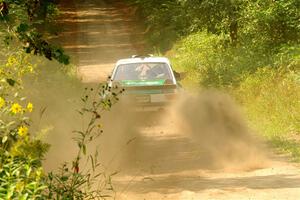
[(149, 81)]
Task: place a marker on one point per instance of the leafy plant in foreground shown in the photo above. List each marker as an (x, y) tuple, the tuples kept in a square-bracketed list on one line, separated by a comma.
[(21, 173), (85, 177)]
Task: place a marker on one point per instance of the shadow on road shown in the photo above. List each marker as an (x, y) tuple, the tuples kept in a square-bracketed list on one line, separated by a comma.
[(96, 34), (175, 184)]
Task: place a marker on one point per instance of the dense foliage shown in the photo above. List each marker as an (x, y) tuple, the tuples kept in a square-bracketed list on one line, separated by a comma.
[(24, 22), (271, 22), (250, 49), (20, 153)]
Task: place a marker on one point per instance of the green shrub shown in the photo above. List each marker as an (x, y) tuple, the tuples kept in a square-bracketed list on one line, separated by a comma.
[(201, 56), (271, 98), (212, 62), (21, 173), (265, 83), (21, 152), (259, 24), (21, 178)]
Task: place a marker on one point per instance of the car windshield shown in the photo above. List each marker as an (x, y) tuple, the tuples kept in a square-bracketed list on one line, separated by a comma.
[(143, 71)]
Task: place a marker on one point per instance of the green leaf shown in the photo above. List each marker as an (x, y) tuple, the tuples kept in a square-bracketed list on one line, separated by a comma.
[(11, 82), (84, 149), (64, 178), (22, 27)]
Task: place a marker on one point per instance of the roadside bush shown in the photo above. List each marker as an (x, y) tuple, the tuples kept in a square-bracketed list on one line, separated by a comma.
[(257, 24), (211, 61), (266, 83), (21, 178), (201, 56), (271, 99), (21, 153), (165, 21)]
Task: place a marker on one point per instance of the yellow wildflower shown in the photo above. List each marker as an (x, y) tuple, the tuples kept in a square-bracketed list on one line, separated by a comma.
[(30, 68), (2, 102), (29, 107), (22, 131), (11, 61), (16, 108)]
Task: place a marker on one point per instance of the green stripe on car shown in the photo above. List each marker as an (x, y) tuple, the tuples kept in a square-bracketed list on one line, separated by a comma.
[(142, 82)]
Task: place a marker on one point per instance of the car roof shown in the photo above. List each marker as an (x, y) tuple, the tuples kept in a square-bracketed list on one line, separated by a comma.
[(143, 59)]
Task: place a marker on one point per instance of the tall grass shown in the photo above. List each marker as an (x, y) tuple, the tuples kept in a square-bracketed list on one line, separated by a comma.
[(266, 83)]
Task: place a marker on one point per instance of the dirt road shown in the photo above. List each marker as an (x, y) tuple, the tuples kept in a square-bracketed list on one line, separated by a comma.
[(164, 161), (96, 35)]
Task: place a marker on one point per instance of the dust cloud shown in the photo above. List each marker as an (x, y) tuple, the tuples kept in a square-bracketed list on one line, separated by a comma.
[(55, 97), (200, 130), (215, 123)]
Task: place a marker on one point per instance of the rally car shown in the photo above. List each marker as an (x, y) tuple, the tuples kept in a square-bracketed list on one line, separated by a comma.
[(149, 81)]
